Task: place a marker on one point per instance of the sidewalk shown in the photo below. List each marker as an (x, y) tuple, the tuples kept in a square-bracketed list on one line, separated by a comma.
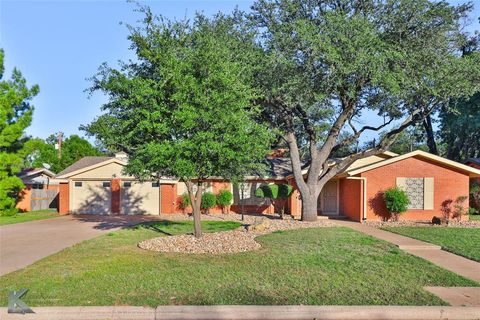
[(433, 253), (248, 313)]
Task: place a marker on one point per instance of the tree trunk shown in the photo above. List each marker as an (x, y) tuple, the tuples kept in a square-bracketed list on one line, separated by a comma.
[(196, 200), (432, 145), (309, 207)]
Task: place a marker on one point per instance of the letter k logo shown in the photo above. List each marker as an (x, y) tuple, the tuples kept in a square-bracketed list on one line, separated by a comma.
[(15, 305)]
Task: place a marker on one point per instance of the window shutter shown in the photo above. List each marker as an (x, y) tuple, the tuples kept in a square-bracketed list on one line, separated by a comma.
[(402, 183), (428, 193)]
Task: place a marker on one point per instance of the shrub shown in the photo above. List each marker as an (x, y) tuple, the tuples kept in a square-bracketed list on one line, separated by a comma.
[(208, 201), (185, 202), (473, 211), (277, 193), (224, 199), (459, 207), (396, 201)]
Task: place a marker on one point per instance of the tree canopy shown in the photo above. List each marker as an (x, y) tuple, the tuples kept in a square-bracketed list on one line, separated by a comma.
[(15, 116), (39, 151), (183, 108), (327, 63)]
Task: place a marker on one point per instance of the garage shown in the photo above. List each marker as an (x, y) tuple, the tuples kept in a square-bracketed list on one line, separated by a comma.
[(139, 198), (91, 197)]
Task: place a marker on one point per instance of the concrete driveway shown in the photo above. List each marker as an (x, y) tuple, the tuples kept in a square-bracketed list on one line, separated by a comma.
[(22, 244)]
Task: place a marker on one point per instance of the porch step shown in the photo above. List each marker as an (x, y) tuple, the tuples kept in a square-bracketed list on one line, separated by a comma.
[(333, 217)]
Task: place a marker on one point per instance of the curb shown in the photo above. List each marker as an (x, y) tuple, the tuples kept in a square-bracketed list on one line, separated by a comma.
[(249, 313)]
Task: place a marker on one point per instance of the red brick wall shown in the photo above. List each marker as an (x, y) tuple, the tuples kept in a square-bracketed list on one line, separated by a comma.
[(24, 200), (351, 198), (448, 184), (115, 187), (64, 198)]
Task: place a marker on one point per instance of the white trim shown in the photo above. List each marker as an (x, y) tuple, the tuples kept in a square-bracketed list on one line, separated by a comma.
[(472, 171)]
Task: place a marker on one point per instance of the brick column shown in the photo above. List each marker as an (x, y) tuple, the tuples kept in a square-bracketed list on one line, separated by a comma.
[(115, 188), (64, 198)]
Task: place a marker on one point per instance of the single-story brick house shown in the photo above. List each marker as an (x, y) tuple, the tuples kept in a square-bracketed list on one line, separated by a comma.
[(98, 185), (40, 192)]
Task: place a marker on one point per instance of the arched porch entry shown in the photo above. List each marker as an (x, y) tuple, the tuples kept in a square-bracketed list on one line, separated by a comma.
[(328, 200)]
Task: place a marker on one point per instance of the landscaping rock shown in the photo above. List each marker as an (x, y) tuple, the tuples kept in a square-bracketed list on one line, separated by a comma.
[(233, 241)]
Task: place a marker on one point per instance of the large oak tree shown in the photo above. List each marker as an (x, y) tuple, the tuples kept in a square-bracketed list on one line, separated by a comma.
[(327, 63)]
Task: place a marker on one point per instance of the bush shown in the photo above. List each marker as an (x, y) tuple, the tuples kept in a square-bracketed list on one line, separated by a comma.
[(224, 199), (10, 212), (185, 201), (396, 201), (277, 193), (459, 208), (208, 201), (473, 211)]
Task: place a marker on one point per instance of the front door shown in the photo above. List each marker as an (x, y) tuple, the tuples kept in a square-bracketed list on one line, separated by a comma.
[(328, 199)]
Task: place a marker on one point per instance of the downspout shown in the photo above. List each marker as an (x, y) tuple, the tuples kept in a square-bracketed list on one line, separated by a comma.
[(364, 187)]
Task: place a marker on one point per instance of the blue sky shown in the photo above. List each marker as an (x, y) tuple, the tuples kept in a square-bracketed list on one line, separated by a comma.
[(59, 44)]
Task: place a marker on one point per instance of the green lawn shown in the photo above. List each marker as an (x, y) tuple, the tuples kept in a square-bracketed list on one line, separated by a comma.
[(323, 266), (461, 241), (29, 216), (475, 217)]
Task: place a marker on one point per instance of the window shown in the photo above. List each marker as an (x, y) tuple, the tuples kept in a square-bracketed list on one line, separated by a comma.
[(37, 186), (127, 184), (106, 184), (78, 184), (155, 184)]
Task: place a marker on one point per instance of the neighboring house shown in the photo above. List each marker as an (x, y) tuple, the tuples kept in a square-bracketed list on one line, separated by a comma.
[(97, 185), (40, 192)]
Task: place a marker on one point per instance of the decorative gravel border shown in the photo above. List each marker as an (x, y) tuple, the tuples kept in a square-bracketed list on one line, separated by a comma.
[(232, 241), (408, 223)]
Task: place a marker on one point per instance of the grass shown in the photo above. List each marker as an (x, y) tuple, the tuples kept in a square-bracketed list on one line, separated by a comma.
[(462, 241), (322, 266), (29, 216), (475, 217)]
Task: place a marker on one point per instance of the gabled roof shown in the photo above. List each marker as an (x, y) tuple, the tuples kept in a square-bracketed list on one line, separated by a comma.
[(33, 171), (85, 164), (472, 172)]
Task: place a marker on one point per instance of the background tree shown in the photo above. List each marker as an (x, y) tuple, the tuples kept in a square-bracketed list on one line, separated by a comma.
[(327, 63), (460, 129), (39, 151), (15, 115), (182, 108)]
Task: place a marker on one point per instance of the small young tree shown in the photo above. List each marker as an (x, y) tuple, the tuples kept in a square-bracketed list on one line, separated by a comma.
[(278, 195), (208, 201), (224, 199), (459, 207), (182, 108), (15, 115), (396, 201)]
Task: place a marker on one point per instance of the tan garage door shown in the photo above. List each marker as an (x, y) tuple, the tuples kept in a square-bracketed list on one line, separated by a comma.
[(140, 198), (91, 197)]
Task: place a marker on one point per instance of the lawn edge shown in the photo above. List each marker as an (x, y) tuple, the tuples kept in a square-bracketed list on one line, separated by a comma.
[(234, 312)]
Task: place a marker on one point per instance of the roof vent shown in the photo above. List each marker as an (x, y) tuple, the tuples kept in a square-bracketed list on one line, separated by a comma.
[(121, 156)]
